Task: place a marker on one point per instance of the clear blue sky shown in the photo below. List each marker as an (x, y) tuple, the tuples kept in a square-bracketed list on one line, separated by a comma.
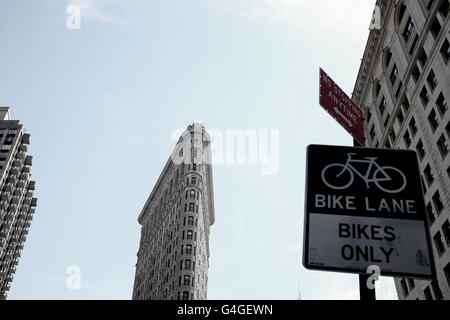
[(102, 102)]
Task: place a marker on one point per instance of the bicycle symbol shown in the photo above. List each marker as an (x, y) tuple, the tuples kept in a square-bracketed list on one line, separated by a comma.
[(387, 179)]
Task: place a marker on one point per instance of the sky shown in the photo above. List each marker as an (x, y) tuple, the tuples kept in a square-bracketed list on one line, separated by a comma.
[(102, 102)]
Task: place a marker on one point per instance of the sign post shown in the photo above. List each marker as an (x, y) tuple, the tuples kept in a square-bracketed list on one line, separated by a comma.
[(365, 207), (365, 294)]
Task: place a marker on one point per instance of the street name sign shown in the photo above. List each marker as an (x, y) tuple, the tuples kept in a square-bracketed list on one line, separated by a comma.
[(341, 107), (365, 207)]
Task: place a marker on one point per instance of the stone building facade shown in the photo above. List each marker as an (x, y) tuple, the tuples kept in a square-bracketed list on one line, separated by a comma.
[(173, 256), (17, 205), (404, 86)]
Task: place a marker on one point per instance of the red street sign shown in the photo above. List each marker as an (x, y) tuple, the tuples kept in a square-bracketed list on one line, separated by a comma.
[(341, 107)]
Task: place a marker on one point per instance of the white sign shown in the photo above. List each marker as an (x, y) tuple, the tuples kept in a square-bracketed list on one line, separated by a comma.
[(365, 207), (391, 244)]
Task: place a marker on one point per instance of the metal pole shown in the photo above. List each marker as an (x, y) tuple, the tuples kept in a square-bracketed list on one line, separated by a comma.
[(365, 294)]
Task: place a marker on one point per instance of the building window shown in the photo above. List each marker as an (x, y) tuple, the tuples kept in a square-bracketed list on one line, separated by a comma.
[(411, 283), (407, 139), (424, 96), (405, 104), (388, 58), (187, 264), (414, 44), (430, 213), (386, 121), (186, 280), (373, 132), (437, 291), (377, 89), (185, 295), (382, 106), (416, 73), (192, 194), (433, 120), (443, 9), (447, 273), (9, 139), (190, 221), (429, 175), (427, 294), (422, 57), (438, 202), (446, 231), (394, 74), (188, 249), (445, 51), (400, 117), (401, 13), (392, 136), (441, 104), (435, 28), (413, 126), (443, 146), (408, 29), (424, 187), (194, 180), (191, 207), (404, 287), (190, 234), (399, 89), (432, 80), (439, 243)]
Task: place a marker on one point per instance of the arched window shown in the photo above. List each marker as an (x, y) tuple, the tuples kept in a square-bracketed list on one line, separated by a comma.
[(192, 194), (394, 74), (387, 57), (401, 13), (376, 89)]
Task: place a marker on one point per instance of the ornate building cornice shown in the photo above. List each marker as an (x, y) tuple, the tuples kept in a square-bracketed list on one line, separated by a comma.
[(371, 52)]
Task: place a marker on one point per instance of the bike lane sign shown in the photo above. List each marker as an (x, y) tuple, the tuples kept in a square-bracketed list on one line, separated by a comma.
[(365, 207)]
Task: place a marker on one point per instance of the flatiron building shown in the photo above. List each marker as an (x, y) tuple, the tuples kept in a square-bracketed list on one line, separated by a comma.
[(173, 256)]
